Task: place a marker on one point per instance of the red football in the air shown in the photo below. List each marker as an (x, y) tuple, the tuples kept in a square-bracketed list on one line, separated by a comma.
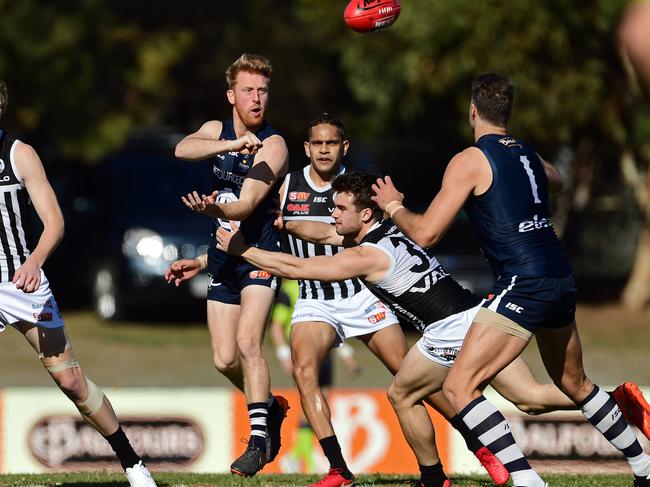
[(370, 15)]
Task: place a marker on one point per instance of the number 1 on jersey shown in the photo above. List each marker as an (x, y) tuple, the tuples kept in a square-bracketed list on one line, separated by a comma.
[(533, 184)]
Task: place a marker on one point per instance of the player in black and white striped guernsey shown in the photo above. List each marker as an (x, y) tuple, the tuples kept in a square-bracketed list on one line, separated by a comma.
[(327, 313), (26, 301)]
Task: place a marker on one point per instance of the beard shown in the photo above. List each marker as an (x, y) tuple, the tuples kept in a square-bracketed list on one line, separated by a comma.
[(249, 120)]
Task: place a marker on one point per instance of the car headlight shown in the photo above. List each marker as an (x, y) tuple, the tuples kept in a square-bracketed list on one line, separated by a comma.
[(142, 242)]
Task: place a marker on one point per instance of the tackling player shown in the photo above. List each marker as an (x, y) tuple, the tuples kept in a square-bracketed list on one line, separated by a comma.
[(414, 285)]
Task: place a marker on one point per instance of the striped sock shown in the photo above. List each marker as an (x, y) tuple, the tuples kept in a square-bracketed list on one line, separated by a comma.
[(601, 410), (489, 425), (257, 413)]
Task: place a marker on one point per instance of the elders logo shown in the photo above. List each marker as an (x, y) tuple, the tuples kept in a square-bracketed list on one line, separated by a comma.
[(67, 443)]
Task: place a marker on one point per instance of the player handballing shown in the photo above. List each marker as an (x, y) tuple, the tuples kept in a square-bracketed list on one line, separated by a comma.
[(248, 159)]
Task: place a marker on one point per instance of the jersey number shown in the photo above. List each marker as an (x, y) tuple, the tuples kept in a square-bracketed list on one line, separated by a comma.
[(533, 184), (423, 265)]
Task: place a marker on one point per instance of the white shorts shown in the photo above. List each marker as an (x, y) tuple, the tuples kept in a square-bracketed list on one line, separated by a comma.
[(358, 315), (38, 308), (441, 341)]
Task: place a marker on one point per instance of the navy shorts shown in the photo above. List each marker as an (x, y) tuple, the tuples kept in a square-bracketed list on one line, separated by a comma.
[(228, 275), (534, 302)]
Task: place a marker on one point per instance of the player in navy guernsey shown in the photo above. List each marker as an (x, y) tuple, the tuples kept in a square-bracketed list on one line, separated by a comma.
[(416, 287), (249, 158), (26, 301), (503, 185)]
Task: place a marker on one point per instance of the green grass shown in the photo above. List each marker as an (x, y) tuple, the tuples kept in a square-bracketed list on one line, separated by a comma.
[(226, 480)]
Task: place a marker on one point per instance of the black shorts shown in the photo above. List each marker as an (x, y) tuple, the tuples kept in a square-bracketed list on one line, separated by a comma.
[(228, 275), (533, 302)]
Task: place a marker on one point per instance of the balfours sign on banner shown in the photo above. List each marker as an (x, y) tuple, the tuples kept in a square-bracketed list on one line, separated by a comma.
[(201, 430)]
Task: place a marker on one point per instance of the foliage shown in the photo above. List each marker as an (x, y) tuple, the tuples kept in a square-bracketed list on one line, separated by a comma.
[(82, 74)]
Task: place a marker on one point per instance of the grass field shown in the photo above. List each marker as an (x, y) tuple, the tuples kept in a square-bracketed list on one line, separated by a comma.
[(99, 479), (615, 341)]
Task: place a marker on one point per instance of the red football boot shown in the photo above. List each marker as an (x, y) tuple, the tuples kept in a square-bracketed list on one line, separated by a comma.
[(334, 478), (633, 405), (494, 467)]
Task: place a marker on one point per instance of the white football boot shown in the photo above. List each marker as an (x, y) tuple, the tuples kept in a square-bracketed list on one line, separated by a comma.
[(139, 476)]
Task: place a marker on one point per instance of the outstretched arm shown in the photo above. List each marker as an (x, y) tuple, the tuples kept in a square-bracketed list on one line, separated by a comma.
[(28, 276), (316, 232), (270, 164), (365, 262)]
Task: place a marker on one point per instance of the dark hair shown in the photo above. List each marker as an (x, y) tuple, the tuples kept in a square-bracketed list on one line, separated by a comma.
[(359, 185), (327, 119), (4, 97), (493, 94)]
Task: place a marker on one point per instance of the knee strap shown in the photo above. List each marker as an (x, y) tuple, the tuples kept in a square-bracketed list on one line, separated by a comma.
[(94, 400), (60, 360)]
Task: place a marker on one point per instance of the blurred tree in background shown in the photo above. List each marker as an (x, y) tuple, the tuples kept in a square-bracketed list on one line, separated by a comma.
[(82, 74)]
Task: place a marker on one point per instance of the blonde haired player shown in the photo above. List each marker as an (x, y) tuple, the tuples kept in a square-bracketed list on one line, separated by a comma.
[(26, 301), (248, 159)]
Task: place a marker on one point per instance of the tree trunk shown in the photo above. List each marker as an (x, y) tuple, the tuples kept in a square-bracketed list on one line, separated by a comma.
[(636, 294)]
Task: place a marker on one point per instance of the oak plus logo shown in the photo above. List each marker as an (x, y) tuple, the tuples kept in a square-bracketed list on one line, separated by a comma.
[(68, 443)]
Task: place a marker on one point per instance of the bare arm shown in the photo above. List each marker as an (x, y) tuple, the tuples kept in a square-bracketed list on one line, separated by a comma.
[(316, 232), (365, 262), (460, 180), (270, 164), (28, 276), (205, 143), (555, 179)]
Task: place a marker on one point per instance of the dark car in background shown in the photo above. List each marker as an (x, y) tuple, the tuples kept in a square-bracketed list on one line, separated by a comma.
[(125, 223), (145, 227)]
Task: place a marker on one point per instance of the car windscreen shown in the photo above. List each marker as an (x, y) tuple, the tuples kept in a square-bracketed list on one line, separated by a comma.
[(142, 182)]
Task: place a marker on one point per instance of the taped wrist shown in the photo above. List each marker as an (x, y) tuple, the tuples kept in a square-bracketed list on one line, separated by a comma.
[(203, 261)]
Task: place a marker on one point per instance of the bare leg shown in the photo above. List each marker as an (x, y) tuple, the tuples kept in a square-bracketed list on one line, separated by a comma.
[(562, 355), (222, 323), (256, 303), (518, 385), (310, 344), (57, 355), (485, 352), (417, 378)]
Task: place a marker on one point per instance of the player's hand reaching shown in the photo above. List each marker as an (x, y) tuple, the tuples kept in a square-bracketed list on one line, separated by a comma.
[(247, 144), (205, 205), (182, 270), (231, 242), (28, 277), (386, 194)]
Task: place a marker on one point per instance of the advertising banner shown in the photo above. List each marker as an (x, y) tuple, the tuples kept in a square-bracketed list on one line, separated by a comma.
[(204, 429)]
